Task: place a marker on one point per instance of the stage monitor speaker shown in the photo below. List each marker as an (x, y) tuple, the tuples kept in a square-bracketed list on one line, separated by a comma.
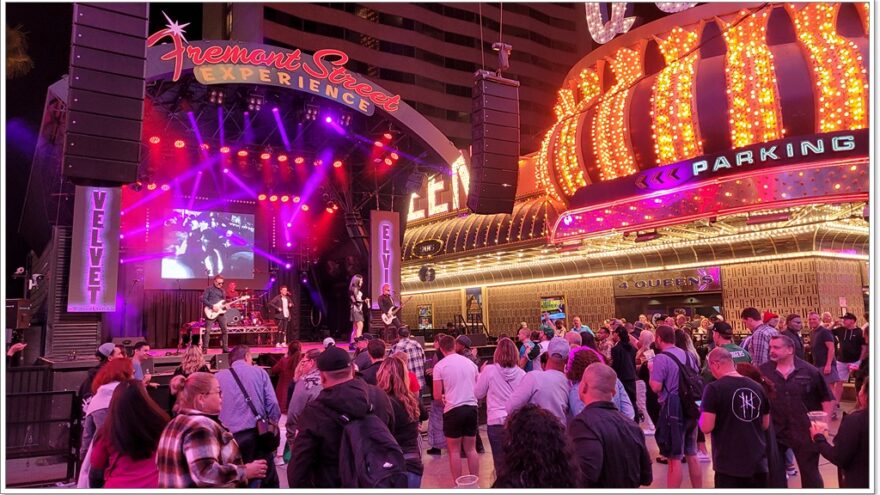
[(495, 144), (220, 361), (106, 92), (477, 339)]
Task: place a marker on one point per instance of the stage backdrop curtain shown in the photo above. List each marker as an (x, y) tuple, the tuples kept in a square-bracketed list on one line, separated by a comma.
[(166, 311)]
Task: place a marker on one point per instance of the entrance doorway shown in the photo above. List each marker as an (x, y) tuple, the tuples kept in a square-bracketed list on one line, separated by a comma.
[(706, 304)]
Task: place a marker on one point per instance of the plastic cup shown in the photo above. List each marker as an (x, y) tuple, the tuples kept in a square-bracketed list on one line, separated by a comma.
[(818, 417), (467, 481)]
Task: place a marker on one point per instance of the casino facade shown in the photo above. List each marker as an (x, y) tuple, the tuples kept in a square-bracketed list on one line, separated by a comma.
[(708, 161)]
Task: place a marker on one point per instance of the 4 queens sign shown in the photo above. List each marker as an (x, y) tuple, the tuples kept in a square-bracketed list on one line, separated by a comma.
[(231, 62)]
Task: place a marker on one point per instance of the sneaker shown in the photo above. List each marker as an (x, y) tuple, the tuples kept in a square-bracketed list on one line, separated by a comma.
[(791, 472), (703, 457), (279, 460), (662, 460), (434, 451)]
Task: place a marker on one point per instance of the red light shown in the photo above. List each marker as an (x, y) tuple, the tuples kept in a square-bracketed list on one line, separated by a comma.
[(261, 197), (378, 144), (319, 162), (285, 198), (394, 156), (387, 136), (224, 149), (329, 210), (155, 140), (305, 207), (335, 206), (296, 199), (282, 158), (265, 156), (166, 187), (388, 161), (299, 160), (205, 146), (179, 144), (273, 198), (151, 186), (337, 164), (242, 153)]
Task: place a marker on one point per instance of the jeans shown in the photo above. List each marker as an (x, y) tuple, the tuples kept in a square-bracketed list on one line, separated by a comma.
[(247, 445), (224, 333), (413, 480), (807, 457), (641, 404), (496, 439)]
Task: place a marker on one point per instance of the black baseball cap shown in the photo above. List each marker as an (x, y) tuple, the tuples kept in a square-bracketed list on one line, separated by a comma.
[(333, 359), (723, 328), (849, 316), (464, 340)]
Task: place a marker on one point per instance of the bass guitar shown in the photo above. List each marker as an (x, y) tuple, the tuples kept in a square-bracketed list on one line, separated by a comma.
[(212, 312), (388, 317)]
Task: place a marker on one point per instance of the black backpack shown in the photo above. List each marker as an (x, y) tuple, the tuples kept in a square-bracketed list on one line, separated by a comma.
[(690, 388), (369, 456)]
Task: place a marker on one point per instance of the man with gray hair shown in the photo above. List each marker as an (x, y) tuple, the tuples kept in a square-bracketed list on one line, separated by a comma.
[(548, 389), (606, 442), (244, 386), (573, 339), (736, 412)]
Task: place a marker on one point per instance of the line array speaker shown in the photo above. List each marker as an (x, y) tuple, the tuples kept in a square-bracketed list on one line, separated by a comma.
[(106, 92), (495, 145)]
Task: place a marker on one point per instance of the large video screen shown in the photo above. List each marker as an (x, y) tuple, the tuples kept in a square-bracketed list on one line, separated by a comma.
[(202, 244)]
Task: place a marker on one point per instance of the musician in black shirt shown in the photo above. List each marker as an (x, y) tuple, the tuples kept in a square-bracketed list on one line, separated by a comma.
[(211, 298), (386, 304), (282, 304)]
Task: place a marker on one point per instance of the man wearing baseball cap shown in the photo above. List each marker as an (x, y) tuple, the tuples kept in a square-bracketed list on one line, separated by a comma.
[(851, 350), (722, 335), (548, 389), (105, 353), (319, 430)]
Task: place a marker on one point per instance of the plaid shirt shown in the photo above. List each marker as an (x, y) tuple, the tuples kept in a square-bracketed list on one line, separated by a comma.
[(416, 357), (195, 451), (759, 344)]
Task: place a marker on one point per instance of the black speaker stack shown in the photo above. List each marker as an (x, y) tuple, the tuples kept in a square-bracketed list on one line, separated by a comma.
[(495, 144), (106, 97)]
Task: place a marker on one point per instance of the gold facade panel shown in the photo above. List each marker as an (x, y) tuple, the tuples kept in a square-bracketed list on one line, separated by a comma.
[(446, 306)]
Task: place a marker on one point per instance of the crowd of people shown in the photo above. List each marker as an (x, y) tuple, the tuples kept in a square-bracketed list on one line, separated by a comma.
[(565, 408)]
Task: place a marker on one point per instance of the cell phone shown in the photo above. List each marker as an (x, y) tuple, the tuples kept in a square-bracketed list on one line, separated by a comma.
[(649, 354)]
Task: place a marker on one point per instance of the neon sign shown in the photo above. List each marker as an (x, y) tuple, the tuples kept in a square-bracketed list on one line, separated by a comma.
[(458, 184), (384, 252), (228, 62), (94, 250)]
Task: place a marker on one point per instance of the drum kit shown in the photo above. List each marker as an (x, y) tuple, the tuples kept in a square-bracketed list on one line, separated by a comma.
[(244, 313)]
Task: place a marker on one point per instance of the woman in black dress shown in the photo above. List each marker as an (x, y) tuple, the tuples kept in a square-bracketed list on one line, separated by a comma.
[(356, 301)]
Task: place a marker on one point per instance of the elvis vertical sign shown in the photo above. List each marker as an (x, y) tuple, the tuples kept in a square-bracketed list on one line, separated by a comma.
[(384, 254), (94, 250)]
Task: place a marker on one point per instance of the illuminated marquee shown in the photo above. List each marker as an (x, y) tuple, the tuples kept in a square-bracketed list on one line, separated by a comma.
[(95, 250), (229, 62), (384, 252)]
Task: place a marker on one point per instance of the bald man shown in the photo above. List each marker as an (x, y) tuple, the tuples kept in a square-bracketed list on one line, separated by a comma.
[(606, 442)]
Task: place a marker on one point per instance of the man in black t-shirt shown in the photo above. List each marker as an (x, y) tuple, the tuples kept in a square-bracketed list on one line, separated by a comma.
[(822, 350), (736, 412), (852, 348)]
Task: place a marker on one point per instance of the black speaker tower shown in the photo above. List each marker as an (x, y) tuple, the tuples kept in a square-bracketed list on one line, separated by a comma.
[(106, 97), (495, 146)]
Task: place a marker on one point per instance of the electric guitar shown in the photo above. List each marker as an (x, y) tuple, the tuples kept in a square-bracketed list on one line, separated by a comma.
[(212, 312), (388, 318)]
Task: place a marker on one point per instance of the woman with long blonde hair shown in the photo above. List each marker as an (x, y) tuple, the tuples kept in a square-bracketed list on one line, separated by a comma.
[(193, 361), (394, 380)]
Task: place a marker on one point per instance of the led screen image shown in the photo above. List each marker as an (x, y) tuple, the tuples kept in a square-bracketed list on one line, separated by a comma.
[(202, 244)]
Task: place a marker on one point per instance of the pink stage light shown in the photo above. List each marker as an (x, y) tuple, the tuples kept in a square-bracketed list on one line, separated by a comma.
[(155, 140), (388, 136), (265, 156), (242, 153), (261, 197), (282, 158), (299, 160), (305, 207), (166, 187), (179, 144), (151, 186), (287, 265), (289, 244), (296, 199), (285, 198), (205, 146), (225, 170), (273, 198), (337, 164), (224, 149)]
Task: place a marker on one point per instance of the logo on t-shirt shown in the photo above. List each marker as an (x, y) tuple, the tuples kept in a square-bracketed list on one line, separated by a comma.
[(746, 404)]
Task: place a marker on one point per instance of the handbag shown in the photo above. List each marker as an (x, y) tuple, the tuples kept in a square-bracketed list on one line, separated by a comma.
[(268, 434)]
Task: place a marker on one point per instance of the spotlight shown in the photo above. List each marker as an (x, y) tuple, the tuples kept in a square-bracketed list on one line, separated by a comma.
[(394, 156), (289, 225), (345, 120), (287, 265), (337, 164), (299, 160), (273, 198), (165, 187), (151, 186), (265, 156), (388, 161), (282, 158), (378, 144), (179, 144), (225, 170), (137, 186), (255, 102), (289, 244), (216, 96), (328, 119), (204, 146), (388, 136), (285, 198), (224, 149), (242, 153), (305, 207), (295, 200), (155, 140), (261, 197), (311, 112)]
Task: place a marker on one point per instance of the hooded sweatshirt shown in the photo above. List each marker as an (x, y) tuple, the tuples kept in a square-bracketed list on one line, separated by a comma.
[(315, 457), (96, 413), (495, 384)]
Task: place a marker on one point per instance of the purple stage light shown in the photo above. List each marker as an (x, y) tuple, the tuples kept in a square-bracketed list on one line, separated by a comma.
[(225, 170), (281, 130), (328, 120), (289, 244), (287, 265), (272, 279), (195, 128)]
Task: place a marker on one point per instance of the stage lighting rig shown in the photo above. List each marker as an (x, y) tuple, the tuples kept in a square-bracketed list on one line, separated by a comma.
[(216, 96), (310, 112)]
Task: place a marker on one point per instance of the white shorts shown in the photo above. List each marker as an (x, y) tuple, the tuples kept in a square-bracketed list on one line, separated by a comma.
[(843, 370)]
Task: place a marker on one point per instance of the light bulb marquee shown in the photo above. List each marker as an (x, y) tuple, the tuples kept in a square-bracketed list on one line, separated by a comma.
[(593, 141)]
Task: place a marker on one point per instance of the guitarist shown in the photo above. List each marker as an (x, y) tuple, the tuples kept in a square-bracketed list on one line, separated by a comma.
[(212, 298), (386, 304)]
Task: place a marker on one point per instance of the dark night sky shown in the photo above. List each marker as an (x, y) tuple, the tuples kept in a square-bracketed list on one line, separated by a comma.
[(48, 29)]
